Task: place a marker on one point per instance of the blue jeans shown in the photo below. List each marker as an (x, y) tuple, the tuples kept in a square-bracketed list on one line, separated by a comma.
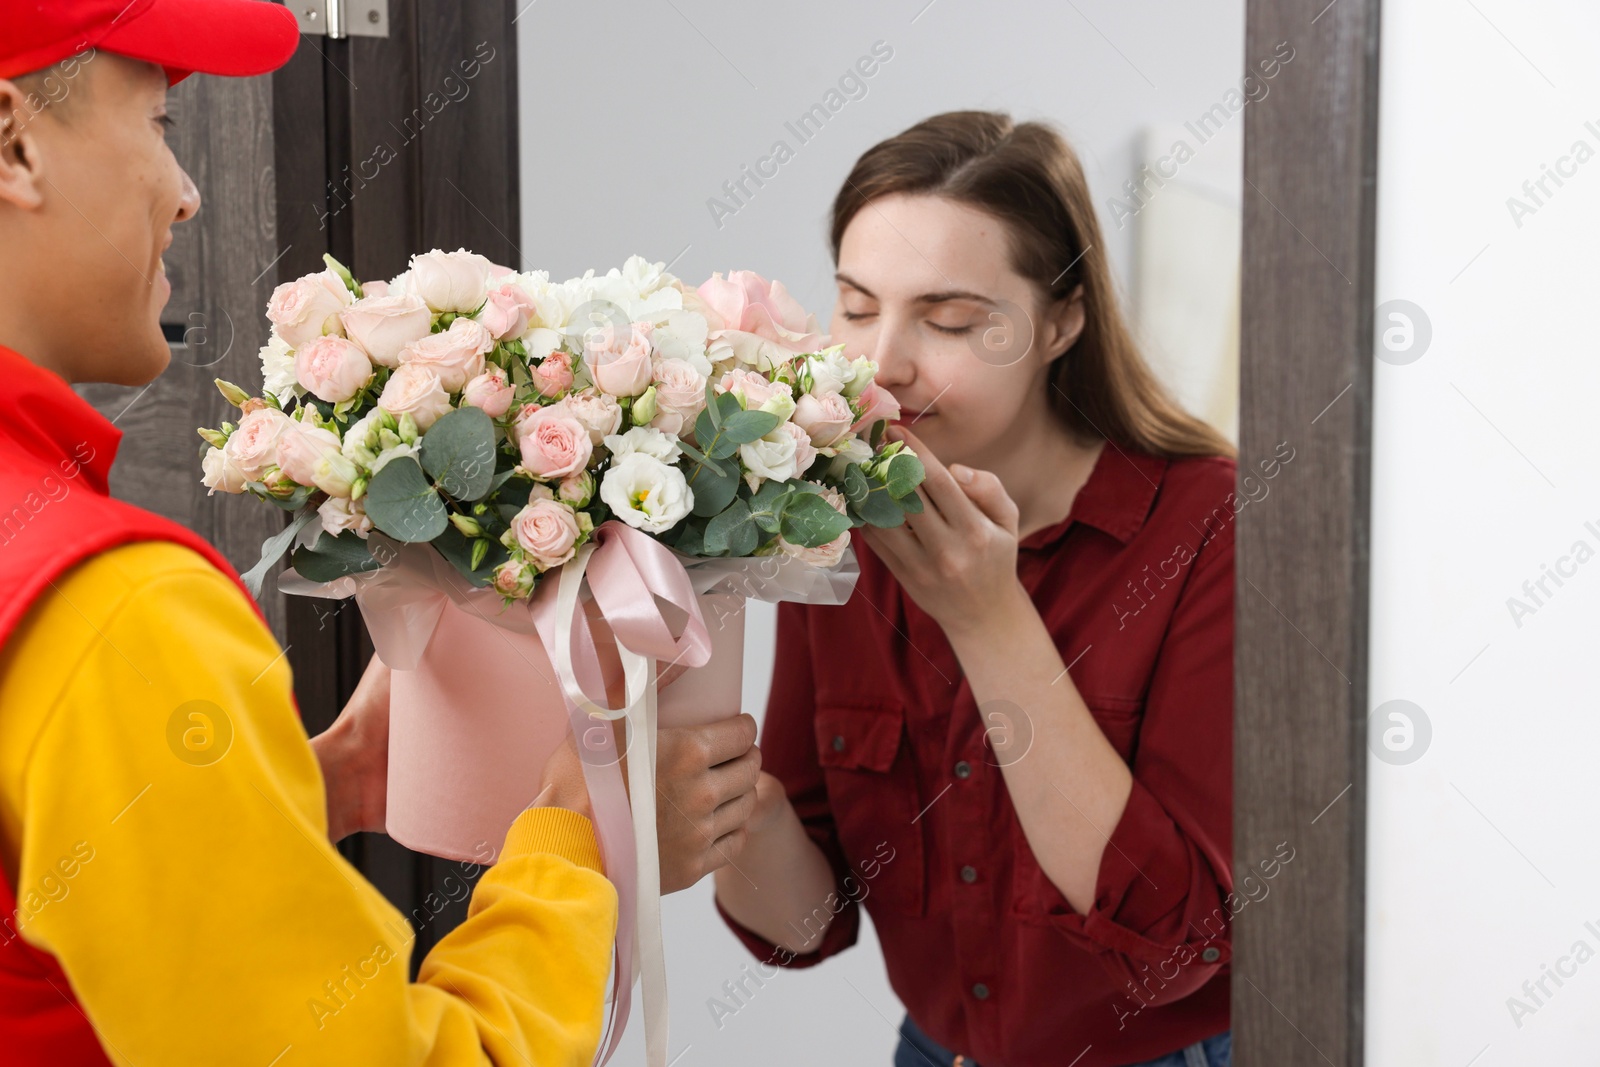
[(917, 1049)]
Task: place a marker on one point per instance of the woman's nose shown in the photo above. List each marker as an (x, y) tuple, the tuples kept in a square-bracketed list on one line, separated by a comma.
[(189, 199)]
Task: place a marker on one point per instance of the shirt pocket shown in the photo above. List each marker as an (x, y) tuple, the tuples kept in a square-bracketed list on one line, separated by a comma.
[(1034, 897), (867, 763)]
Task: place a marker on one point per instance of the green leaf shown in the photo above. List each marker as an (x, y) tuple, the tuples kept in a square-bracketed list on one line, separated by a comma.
[(333, 557), (732, 532), (699, 457), (905, 473), (272, 550), (460, 550), (877, 433), (810, 521), (712, 414), (713, 489), (402, 504), (911, 503), (458, 451), (742, 427)]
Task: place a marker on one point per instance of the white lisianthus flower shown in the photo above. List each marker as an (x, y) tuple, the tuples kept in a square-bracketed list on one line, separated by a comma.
[(865, 370), (645, 439), (646, 493), (360, 442), (277, 370)]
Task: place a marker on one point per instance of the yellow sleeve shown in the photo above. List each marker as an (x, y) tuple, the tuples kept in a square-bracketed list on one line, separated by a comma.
[(150, 747)]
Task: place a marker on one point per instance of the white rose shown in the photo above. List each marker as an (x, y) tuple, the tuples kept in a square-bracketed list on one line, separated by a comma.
[(415, 389), (643, 439), (338, 514), (599, 414), (854, 450), (646, 493), (450, 281), (220, 472), (772, 456), (831, 371)]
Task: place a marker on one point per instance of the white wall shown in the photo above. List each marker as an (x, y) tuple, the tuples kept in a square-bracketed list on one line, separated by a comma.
[(1481, 851), (634, 114)]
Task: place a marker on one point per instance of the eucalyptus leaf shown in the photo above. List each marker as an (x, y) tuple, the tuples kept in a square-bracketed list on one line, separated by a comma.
[(713, 491), (272, 550), (402, 504), (905, 473), (732, 531), (333, 557), (458, 452), (742, 427), (810, 521)]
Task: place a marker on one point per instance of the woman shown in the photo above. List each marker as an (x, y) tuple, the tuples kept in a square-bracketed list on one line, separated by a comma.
[(1014, 744)]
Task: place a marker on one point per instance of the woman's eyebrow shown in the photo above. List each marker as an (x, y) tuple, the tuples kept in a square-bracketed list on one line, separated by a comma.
[(940, 297)]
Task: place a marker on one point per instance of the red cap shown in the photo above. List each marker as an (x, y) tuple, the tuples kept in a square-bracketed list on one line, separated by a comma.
[(234, 37)]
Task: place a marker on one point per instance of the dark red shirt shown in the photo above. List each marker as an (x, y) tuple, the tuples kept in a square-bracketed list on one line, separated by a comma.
[(873, 730)]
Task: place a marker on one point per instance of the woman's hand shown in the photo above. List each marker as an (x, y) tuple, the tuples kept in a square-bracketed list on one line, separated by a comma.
[(354, 754), (962, 549)]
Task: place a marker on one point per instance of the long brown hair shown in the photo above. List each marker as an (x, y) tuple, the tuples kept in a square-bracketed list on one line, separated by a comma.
[(1028, 177)]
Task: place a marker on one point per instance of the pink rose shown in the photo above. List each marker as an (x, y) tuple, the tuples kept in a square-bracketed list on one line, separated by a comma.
[(755, 388), (680, 394), (311, 456), (491, 391), (308, 307), (824, 418), (520, 421), (757, 318), (332, 368), (383, 325), (553, 444), (456, 355), (415, 390), (874, 403), (553, 376), (514, 578), (253, 447), (450, 281), (507, 311), (619, 366), (547, 530), (597, 412), (374, 289)]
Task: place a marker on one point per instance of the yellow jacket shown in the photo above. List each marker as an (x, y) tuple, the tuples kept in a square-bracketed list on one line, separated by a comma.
[(190, 892)]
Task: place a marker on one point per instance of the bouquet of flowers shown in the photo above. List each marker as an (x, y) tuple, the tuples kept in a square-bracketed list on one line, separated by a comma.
[(501, 417), (489, 462)]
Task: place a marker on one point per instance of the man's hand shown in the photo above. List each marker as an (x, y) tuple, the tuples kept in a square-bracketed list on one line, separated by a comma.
[(706, 780), (354, 754)]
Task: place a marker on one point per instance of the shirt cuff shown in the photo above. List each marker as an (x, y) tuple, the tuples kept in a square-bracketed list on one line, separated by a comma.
[(841, 934), (556, 830)]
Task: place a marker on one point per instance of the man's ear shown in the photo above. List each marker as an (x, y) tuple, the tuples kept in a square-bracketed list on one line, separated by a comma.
[(1064, 322), (21, 155)]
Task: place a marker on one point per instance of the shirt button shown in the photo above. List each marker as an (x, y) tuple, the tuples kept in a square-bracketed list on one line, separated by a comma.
[(1211, 955), (963, 769), (980, 991), (969, 874), (838, 743)]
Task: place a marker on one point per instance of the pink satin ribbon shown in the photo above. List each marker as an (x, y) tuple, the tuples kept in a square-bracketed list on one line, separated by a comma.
[(625, 574)]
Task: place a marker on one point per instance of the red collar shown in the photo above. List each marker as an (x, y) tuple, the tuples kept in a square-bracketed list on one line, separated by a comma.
[(40, 412), (1116, 499)]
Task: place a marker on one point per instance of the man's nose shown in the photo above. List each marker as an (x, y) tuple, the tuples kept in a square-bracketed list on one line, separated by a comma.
[(189, 201)]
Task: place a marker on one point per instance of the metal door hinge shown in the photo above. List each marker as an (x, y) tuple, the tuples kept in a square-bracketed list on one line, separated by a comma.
[(342, 18)]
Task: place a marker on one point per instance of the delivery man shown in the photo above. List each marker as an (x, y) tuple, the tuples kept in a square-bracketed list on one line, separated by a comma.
[(168, 891)]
